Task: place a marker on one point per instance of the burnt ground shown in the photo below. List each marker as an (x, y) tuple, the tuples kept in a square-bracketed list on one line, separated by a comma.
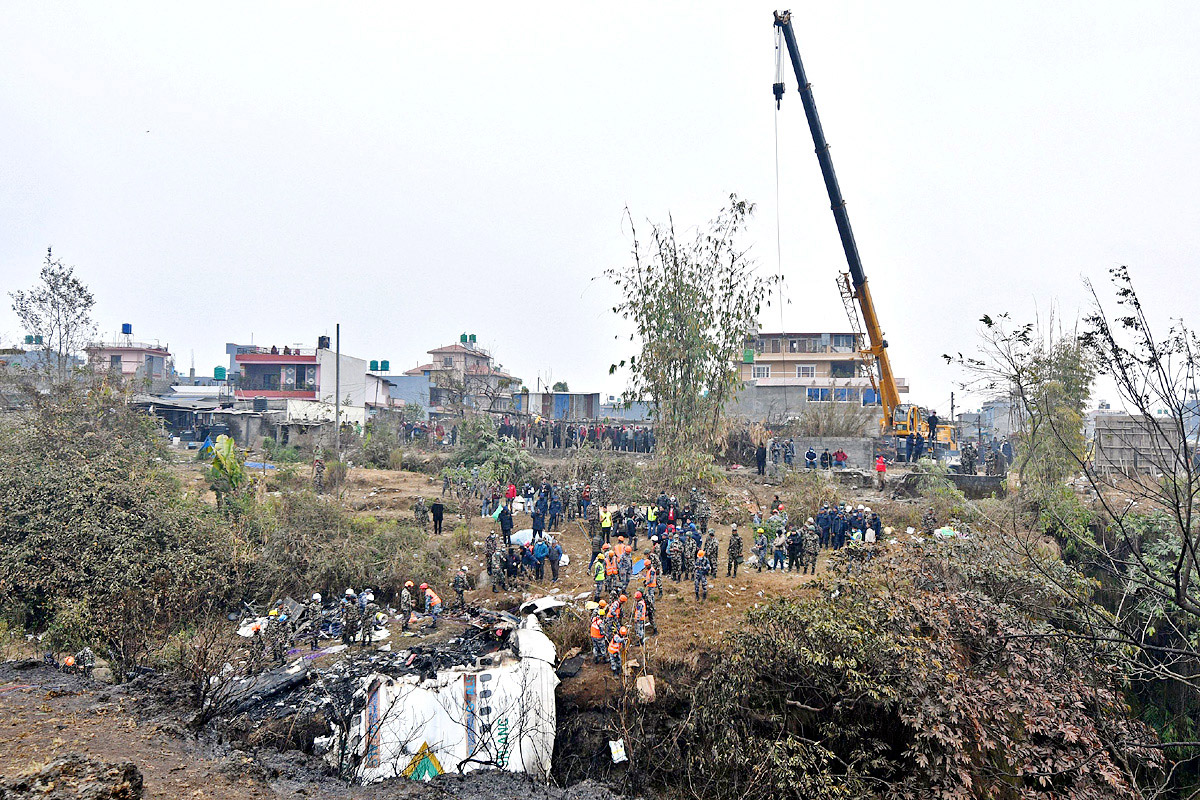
[(47, 715)]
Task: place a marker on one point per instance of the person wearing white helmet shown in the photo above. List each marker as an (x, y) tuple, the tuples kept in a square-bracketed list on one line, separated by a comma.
[(313, 612)]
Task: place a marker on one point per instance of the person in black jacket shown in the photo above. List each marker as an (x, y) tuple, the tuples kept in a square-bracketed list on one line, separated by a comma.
[(760, 458), (438, 511)]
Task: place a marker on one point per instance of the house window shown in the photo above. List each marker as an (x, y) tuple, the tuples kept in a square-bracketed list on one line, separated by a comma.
[(845, 395), (870, 397), (842, 369), (843, 342), (448, 361), (774, 345), (762, 371), (806, 370), (816, 395), (114, 362)]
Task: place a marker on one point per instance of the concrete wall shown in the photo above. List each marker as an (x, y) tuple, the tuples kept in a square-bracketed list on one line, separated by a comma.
[(353, 378), (861, 451), (778, 404), (412, 389)]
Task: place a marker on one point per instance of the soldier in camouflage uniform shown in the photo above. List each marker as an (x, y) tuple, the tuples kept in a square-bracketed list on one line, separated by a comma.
[(991, 464), (406, 604), (499, 579), (810, 547), (735, 553), (700, 572), (968, 460), (571, 500), (348, 611), (318, 475), (593, 519), (313, 612), (460, 585), (624, 567), (491, 545), (421, 513), (712, 548), (675, 554), (690, 548)]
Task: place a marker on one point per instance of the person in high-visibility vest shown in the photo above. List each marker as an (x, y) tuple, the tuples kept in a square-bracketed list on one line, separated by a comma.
[(606, 523), (433, 603), (611, 559), (615, 612), (596, 631), (639, 617), (599, 576), (615, 646)]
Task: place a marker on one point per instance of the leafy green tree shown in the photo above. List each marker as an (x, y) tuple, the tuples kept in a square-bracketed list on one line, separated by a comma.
[(59, 308), (559, 386), (692, 301), (97, 544)]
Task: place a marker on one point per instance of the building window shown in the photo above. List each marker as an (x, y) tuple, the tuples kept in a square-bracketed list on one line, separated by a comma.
[(815, 395), (843, 342), (448, 361), (845, 395), (806, 370), (870, 397), (774, 345), (114, 362), (842, 369), (762, 371)]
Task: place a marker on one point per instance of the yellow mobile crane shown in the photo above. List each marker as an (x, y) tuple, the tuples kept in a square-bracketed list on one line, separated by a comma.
[(898, 419)]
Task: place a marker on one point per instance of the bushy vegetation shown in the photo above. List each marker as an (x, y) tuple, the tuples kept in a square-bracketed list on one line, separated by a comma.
[(96, 540), (100, 546), (936, 671)]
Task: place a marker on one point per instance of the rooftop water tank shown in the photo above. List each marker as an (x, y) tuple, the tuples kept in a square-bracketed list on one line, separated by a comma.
[(463, 339), (127, 328), (374, 366), (385, 365)]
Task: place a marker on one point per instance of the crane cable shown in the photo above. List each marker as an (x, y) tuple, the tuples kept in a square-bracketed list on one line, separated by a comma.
[(778, 223)]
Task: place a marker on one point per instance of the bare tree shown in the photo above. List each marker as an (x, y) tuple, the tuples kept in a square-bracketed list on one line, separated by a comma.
[(1128, 526), (59, 308)]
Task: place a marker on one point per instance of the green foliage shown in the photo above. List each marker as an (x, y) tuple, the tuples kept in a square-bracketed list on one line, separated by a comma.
[(480, 446), (96, 543), (227, 474), (692, 302), (559, 386), (933, 673), (281, 453), (306, 544), (59, 308)]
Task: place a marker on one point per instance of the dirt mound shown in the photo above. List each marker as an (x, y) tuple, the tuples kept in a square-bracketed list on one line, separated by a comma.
[(76, 777)]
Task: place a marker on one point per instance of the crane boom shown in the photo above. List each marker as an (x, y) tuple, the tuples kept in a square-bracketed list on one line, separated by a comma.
[(888, 392)]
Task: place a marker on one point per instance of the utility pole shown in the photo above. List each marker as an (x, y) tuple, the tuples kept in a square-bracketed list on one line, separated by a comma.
[(953, 419), (337, 394)]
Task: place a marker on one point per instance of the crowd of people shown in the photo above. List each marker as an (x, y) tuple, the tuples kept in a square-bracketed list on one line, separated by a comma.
[(560, 435), (783, 452)]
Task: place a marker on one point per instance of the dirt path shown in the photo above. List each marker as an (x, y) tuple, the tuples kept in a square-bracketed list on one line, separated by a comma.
[(45, 714)]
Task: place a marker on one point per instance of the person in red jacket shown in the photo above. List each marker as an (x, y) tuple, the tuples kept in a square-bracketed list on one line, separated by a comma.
[(880, 471)]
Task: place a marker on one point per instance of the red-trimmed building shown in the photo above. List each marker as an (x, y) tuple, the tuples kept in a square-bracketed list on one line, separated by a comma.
[(275, 372)]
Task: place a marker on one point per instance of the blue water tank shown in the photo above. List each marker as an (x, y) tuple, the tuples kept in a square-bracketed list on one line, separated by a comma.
[(385, 365), (374, 366), (127, 328), (219, 373)]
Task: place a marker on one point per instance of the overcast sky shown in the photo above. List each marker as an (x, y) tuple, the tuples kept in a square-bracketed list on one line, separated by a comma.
[(265, 169)]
